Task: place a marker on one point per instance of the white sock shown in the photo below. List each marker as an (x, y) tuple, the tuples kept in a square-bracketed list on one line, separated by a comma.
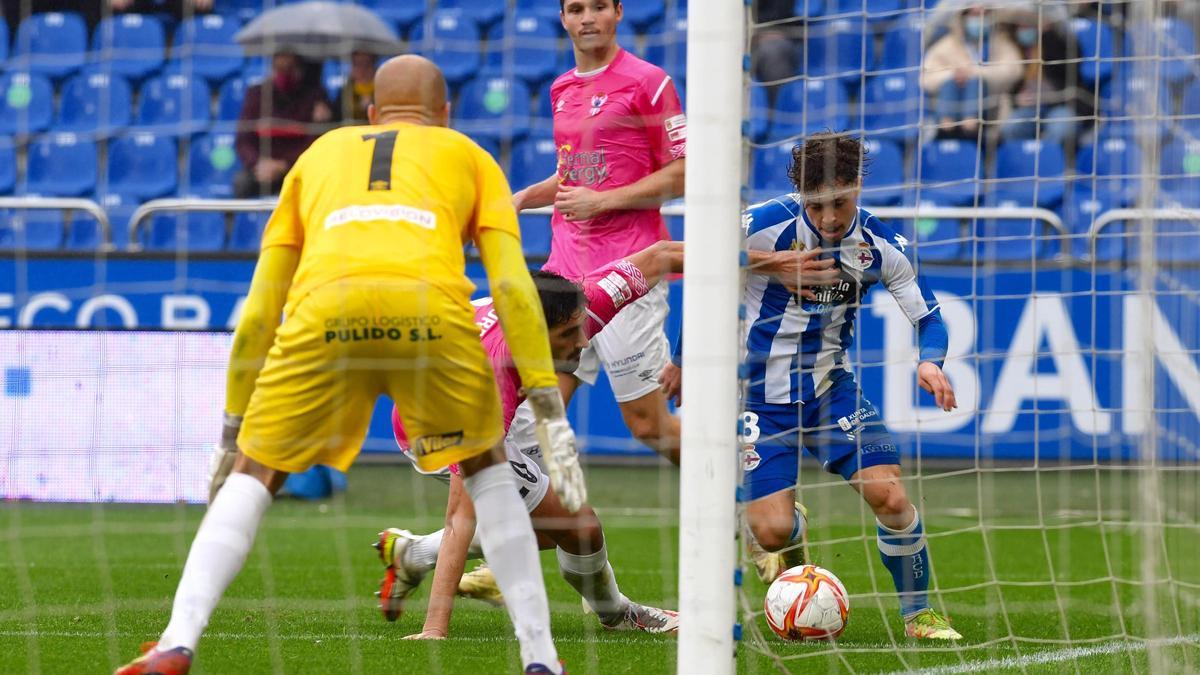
[(593, 578), (422, 555), (511, 549), (218, 553)]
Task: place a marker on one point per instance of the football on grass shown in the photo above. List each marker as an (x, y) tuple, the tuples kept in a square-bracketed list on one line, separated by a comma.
[(807, 603)]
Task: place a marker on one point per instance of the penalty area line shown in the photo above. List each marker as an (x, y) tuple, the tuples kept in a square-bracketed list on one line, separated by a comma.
[(1055, 656)]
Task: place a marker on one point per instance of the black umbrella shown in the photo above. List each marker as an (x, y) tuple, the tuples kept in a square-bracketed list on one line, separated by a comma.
[(319, 30)]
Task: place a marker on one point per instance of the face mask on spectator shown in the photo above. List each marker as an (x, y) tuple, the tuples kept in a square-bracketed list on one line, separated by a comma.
[(286, 81), (974, 26), (1027, 37)]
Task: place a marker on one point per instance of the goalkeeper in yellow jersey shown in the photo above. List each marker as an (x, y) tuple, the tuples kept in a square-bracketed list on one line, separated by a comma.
[(363, 257)]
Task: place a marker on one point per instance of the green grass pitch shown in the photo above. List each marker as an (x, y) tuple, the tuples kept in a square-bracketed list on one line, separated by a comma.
[(1040, 571)]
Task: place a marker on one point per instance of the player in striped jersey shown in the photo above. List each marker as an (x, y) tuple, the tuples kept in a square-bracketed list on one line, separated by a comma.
[(800, 388)]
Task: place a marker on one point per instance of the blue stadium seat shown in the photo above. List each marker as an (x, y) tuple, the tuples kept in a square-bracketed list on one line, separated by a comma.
[(883, 184), (1177, 55), (493, 107), (643, 13), (674, 227), (769, 171), (1180, 173), (1189, 121), (1030, 173), (1177, 241), (627, 37), (528, 43), (61, 165), (95, 103), (1009, 238), (533, 160), (8, 165), (1095, 40), (535, 234), (668, 48), (935, 238), (35, 230), (212, 163), (28, 104), (903, 46), (129, 45), (143, 166), (805, 107), (760, 113), (1113, 165), (1083, 206), (892, 107), (543, 118), (875, 11), (452, 42), (247, 231), (204, 47), (949, 173), (483, 12), (840, 46), (230, 98), (174, 104), (86, 233), (809, 8), (3, 42), (53, 44), (403, 15), (196, 231)]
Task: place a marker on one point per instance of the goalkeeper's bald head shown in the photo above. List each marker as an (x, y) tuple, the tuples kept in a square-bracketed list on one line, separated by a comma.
[(409, 88)]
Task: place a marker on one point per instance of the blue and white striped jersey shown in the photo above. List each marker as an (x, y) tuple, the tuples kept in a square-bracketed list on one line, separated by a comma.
[(792, 344)]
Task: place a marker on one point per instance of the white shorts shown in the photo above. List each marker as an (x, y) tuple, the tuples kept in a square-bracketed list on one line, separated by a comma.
[(524, 458), (633, 348)]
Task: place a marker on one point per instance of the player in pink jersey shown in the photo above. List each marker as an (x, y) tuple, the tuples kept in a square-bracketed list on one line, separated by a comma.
[(622, 141)]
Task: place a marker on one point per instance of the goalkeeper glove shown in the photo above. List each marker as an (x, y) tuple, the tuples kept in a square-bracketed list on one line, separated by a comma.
[(557, 439), (220, 460)]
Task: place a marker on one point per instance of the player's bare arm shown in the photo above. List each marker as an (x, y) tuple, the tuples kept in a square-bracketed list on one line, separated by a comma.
[(537, 195), (451, 561), (581, 203)]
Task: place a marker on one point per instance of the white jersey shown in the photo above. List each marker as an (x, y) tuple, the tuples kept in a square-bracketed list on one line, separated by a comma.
[(791, 344)]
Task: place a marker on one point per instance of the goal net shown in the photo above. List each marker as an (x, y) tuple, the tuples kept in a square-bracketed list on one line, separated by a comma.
[(1039, 160)]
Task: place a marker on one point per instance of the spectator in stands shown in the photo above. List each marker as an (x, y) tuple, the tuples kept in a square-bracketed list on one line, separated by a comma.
[(359, 88), (774, 51), (970, 71), (1050, 101), (178, 9), (281, 117)]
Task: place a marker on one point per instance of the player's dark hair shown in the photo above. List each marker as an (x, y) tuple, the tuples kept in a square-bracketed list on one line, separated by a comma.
[(560, 297), (563, 3), (827, 158)]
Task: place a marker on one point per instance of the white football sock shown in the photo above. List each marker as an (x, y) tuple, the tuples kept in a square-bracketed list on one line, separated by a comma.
[(422, 555), (511, 549), (218, 552), (593, 578)]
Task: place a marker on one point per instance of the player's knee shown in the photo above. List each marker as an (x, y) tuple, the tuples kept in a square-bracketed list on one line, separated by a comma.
[(887, 499), (771, 536)]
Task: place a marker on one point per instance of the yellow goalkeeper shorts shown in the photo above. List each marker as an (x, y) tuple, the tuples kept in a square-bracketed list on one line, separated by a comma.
[(349, 341)]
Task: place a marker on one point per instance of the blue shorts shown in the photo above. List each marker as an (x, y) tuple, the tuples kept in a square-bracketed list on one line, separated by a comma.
[(840, 428)]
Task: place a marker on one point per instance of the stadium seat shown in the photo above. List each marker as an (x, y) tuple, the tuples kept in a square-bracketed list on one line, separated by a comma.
[(903, 46), (61, 165), (528, 44), (143, 166), (3, 42), (28, 104), (484, 13), (1083, 206), (204, 47), (230, 98), (1030, 173), (883, 184), (805, 107), (935, 238), (195, 231), (212, 164), (875, 11), (840, 46), (892, 107), (247, 231), (8, 165), (174, 104), (949, 173), (1013, 239), (643, 13), (404, 15), (769, 171), (1189, 122), (760, 113), (534, 159), (627, 37), (1176, 41), (95, 103), (1180, 173), (452, 43), (535, 234), (493, 107), (53, 44), (1114, 163), (809, 8), (35, 230), (129, 45), (668, 48), (1177, 241), (1095, 40)]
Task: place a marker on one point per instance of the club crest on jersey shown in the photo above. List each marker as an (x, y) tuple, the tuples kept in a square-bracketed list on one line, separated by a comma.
[(859, 258), (598, 100), (750, 458)]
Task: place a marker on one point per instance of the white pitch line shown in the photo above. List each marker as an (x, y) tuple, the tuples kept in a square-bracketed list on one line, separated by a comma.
[(599, 637), (1055, 656)]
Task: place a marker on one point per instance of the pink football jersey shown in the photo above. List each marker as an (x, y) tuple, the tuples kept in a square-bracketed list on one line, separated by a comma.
[(612, 127), (608, 289)]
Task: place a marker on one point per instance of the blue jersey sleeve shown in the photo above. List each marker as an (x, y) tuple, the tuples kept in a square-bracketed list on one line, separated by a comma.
[(933, 339)]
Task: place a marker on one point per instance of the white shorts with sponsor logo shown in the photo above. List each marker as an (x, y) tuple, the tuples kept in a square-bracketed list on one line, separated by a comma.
[(524, 458), (633, 348)]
